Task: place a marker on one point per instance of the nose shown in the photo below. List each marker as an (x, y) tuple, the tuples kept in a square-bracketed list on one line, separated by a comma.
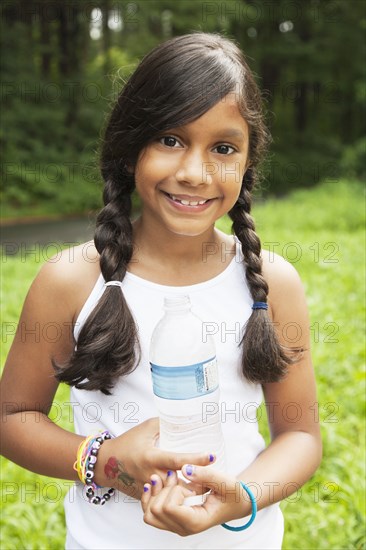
[(194, 170)]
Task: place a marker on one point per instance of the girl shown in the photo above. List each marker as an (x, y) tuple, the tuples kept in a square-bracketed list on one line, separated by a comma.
[(187, 132)]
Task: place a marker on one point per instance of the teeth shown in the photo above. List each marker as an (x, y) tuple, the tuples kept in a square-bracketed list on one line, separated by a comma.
[(187, 203)]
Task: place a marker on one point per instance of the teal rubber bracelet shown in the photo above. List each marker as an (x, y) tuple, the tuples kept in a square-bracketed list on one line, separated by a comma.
[(254, 512)]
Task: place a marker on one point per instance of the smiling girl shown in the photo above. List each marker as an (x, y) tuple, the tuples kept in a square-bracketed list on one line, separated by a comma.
[(187, 133)]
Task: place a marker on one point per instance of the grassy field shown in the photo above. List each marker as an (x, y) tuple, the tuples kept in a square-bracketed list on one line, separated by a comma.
[(321, 231)]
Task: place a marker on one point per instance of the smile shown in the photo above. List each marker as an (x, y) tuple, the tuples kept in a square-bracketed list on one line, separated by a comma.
[(187, 201)]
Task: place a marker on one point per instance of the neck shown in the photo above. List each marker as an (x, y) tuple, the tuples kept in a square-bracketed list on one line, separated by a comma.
[(171, 248)]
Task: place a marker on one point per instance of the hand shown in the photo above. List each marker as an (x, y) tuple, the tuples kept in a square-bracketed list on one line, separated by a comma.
[(128, 461), (164, 508)]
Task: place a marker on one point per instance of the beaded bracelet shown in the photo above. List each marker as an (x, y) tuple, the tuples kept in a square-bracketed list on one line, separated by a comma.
[(254, 512), (86, 460)]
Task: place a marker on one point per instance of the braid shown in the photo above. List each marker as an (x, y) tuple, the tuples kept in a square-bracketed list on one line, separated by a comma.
[(113, 234), (264, 359), (106, 343)]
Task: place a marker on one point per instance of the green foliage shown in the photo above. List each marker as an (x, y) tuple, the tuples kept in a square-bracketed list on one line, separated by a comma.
[(51, 126), (353, 160), (321, 232), (58, 85)]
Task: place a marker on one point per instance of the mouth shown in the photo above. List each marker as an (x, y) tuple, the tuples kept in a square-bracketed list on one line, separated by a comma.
[(186, 200)]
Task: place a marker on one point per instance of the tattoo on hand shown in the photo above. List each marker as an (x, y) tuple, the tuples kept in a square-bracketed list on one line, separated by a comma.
[(115, 469)]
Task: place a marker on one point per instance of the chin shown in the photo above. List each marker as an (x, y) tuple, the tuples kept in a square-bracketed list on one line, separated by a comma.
[(189, 231)]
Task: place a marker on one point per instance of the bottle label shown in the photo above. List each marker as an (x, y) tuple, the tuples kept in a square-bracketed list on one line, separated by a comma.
[(185, 382)]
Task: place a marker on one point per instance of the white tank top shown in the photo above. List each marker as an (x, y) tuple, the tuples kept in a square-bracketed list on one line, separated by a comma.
[(224, 304)]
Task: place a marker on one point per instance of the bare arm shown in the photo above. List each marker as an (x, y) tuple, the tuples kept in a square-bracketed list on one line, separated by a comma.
[(28, 384)]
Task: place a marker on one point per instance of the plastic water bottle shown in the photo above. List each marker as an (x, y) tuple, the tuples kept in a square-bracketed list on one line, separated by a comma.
[(185, 383)]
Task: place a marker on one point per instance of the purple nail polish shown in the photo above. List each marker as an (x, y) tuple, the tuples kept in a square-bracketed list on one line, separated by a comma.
[(146, 489), (189, 469), (153, 482), (169, 473), (212, 458)]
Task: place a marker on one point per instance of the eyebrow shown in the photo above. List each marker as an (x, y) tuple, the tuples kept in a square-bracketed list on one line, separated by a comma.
[(230, 132)]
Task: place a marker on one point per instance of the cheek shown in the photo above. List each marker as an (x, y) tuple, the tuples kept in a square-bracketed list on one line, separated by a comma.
[(152, 169), (232, 196), (231, 179), (231, 173)]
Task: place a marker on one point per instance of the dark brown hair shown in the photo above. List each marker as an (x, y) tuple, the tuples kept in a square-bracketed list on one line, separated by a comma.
[(176, 83)]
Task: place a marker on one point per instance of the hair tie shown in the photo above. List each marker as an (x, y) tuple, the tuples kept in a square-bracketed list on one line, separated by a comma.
[(260, 305), (114, 283)]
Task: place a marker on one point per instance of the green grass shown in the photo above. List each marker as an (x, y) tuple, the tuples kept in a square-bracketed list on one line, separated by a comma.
[(321, 232)]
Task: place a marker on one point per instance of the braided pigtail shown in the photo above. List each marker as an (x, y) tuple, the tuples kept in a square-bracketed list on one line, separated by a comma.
[(106, 347), (264, 359)]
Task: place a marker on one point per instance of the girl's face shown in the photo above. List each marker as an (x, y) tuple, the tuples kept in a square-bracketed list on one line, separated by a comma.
[(190, 176)]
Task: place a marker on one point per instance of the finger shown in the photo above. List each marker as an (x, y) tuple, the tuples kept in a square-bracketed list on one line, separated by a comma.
[(222, 486), (209, 478), (156, 484), (182, 518), (198, 488), (175, 461), (171, 478), (160, 503), (145, 497), (177, 496), (165, 511)]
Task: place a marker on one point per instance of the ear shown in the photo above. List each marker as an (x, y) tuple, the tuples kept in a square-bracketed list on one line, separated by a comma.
[(248, 165), (130, 169)]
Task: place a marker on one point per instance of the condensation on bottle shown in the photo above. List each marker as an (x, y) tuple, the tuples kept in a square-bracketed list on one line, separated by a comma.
[(185, 383)]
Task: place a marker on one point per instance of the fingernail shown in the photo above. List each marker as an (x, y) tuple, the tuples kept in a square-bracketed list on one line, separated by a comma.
[(146, 488), (169, 473), (153, 482), (189, 469), (212, 458)]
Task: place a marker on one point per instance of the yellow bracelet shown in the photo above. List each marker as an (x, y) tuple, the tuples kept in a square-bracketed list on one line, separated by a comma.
[(80, 463)]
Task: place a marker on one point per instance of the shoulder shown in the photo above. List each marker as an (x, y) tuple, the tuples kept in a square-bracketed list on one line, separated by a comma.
[(286, 290), (69, 276), (277, 270), (73, 261), (73, 266)]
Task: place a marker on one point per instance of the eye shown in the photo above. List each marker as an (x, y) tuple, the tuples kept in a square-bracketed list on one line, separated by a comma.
[(169, 141), (224, 149)]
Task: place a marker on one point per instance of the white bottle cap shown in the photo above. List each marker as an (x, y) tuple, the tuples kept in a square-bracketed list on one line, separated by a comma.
[(177, 302)]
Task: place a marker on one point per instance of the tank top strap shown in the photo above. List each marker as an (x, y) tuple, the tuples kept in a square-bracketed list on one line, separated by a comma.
[(89, 305)]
